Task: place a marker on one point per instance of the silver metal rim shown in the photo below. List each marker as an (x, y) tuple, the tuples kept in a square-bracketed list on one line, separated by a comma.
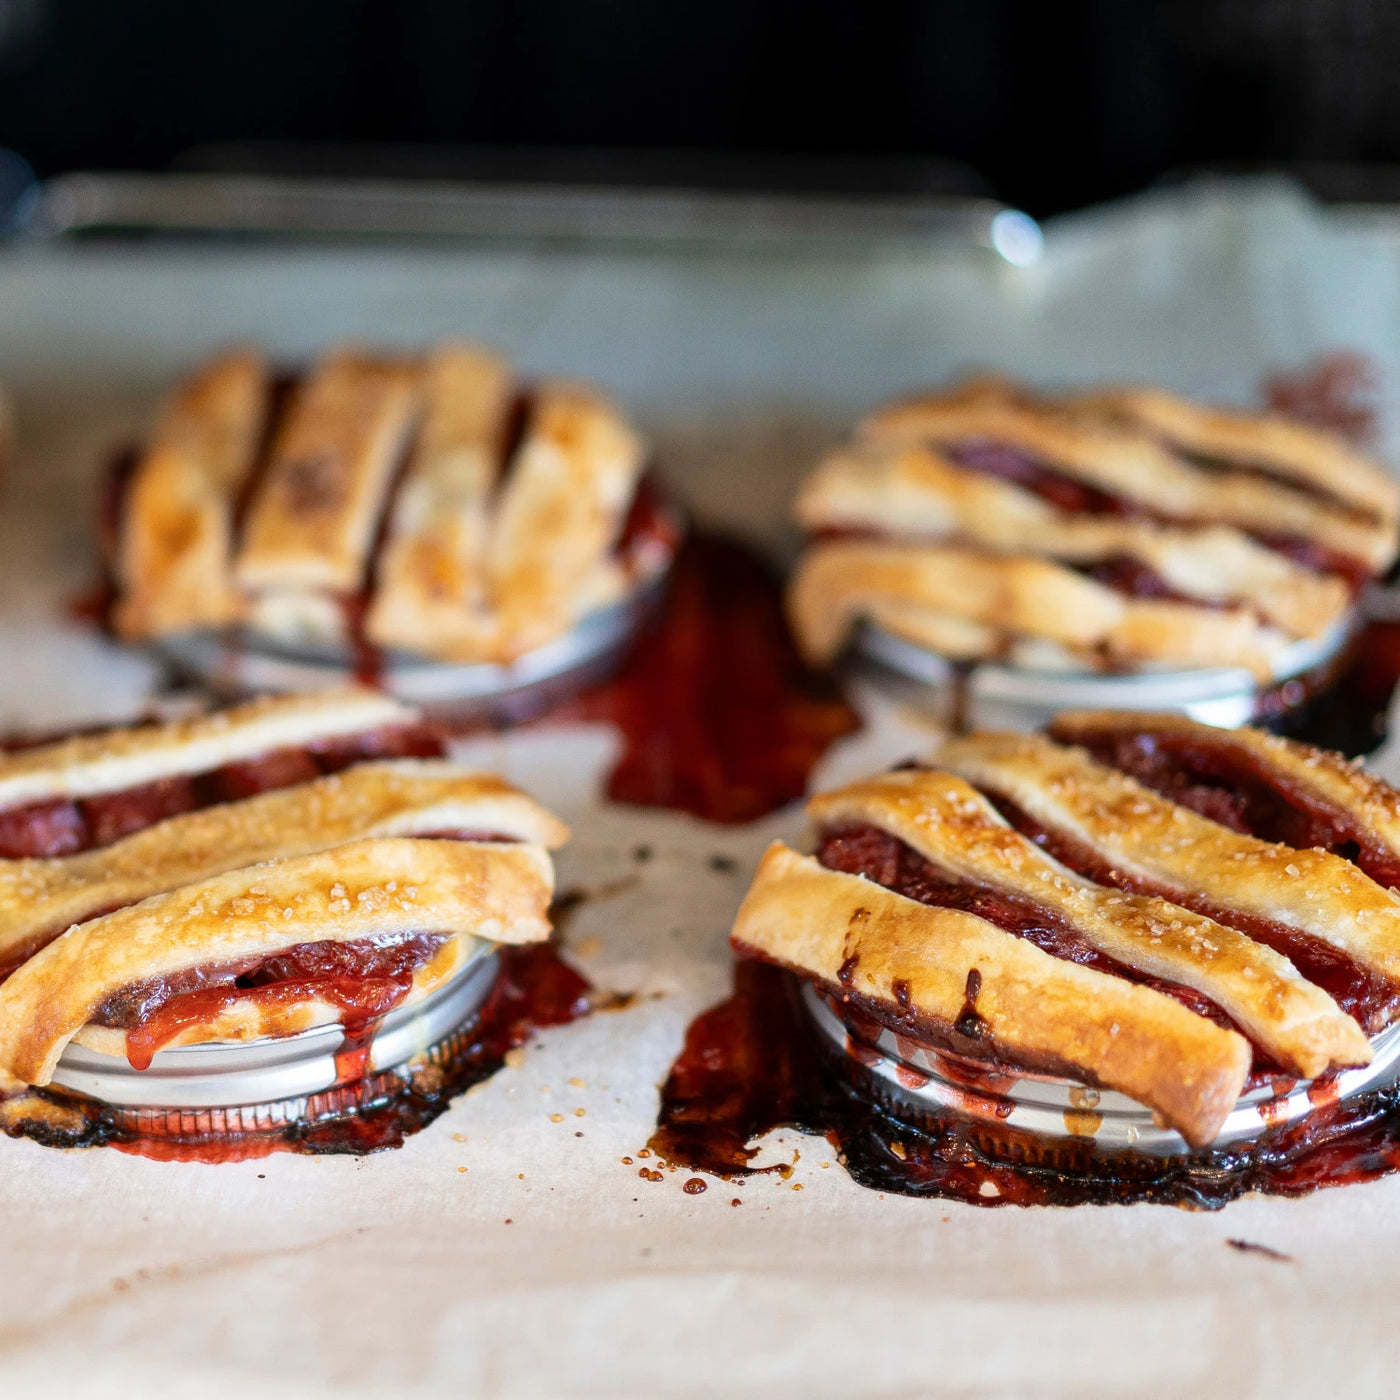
[(995, 694), (918, 1081), (238, 664), (276, 1073)]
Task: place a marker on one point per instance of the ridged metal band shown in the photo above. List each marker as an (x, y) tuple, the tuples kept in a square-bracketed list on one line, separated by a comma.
[(271, 1082), (233, 665), (920, 1084), (993, 696)]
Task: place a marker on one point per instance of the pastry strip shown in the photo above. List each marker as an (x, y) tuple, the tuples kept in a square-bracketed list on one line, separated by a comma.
[(367, 889), (313, 517), (115, 760), (1153, 843), (913, 492), (1355, 804), (431, 592), (951, 825), (1033, 1010), (1134, 468), (1269, 442), (561, 510), (175, 558), (1018, 595), (401, 797)]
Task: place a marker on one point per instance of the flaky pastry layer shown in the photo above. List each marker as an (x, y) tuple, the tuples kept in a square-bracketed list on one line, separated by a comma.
[(1148, 839), (175, 556), (400, 797), (313, 515), (1319, 780), (1136, 468), (1035, 1010), (913, 492), (562, 509), (114, 760), (952, 826), (1009, 596), (1268, 442), (378, 888), (431, 593)]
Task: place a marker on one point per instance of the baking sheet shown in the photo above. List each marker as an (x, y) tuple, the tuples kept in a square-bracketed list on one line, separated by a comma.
[(507, 1250)]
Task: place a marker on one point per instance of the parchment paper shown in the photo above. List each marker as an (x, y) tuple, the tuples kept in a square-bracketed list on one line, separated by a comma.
[(507, 1251)]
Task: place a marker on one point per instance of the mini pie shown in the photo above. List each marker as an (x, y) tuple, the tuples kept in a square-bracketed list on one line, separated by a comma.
[(1136, 902), (1116, 531), (427, 504), (254, 872)]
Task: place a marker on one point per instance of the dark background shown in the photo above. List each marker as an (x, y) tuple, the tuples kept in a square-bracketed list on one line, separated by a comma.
[(1058, 103)]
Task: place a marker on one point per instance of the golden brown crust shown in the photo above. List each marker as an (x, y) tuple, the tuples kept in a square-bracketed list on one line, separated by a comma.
[(401, 797), (562, 509), (1155, 842), (913, 492), (951, 825), (1038, 1011), (374, 888), (174, 564), (1133, 467), (1268, 442), (431, 594), (1322, 779), (114, 760), (1016, 596), (313, 516)]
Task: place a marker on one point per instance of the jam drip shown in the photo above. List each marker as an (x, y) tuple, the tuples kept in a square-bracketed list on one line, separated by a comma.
[(719, 717), (753, 1064), (1232, 787), (535, 989), (1366, 996), (63, 827), (363, 979), (879, 856)]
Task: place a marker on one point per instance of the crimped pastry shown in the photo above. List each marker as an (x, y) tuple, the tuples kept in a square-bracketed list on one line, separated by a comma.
[(373, 889), (951, 825), (400, 797), (1037, 1011)]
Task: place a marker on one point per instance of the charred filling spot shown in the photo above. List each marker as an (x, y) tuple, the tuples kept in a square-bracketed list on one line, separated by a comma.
[(879, 856), (364, 979), (1364, 995), (65, 827), (1232, 787)]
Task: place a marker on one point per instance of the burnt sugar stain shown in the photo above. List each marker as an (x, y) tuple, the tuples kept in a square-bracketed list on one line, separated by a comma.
[(969, 1021), (1250, 1247), (752, 1064)]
